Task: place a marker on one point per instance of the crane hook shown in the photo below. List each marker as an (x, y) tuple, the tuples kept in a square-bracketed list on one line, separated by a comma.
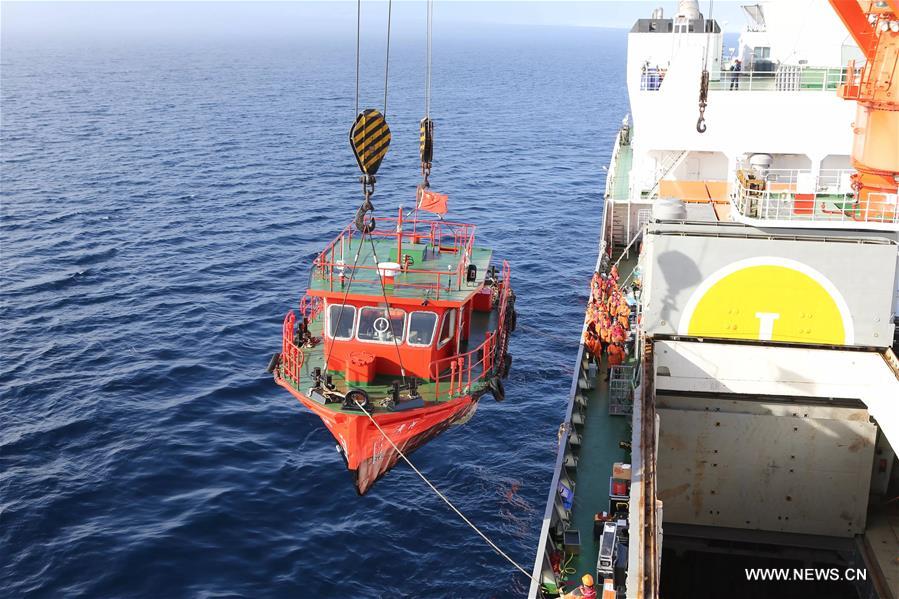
[(703, 101)]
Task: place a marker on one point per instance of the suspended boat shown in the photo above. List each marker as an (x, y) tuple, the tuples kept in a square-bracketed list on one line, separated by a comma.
[(404, 326)]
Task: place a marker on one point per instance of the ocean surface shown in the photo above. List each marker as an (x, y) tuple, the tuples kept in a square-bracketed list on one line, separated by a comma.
[(161, 203)]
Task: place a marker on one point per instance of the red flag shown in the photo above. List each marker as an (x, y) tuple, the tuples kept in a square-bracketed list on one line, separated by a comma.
[(432, 201)]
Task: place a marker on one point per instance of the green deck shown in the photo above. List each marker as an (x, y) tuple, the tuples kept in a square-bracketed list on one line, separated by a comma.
[(599, 450), (600, 438), (620, 185), (419, 281)]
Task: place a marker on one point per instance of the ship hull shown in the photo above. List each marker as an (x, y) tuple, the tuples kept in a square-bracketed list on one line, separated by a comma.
[(368, 455)]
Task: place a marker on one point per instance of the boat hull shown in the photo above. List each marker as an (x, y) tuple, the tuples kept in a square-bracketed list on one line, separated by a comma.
[(368, 455)]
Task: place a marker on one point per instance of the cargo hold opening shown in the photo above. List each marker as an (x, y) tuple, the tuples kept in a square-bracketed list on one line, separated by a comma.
[(782, 484)]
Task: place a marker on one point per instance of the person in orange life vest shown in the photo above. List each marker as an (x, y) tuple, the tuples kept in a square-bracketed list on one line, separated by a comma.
[(619, 334), (595, 287), (613, 273), (605, 328), (616, 354), (624, 313), (586, 590)]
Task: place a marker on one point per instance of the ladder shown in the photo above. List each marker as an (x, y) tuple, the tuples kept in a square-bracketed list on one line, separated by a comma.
[(671, 162), (618, 222)]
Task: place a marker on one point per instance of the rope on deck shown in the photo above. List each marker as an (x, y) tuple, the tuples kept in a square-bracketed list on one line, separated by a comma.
[(447, 501)]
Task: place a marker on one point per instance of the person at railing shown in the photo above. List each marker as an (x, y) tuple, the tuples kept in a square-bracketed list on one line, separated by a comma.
[(735, 69)]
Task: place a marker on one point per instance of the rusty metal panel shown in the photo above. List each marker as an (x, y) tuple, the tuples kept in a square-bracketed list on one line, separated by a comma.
[(769, 470), (795, 289)]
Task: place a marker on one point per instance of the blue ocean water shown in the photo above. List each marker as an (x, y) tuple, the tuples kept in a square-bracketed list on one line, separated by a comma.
[(161, 204)]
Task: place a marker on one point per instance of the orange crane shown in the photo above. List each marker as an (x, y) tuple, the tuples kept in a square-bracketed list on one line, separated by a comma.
[(874, 24)]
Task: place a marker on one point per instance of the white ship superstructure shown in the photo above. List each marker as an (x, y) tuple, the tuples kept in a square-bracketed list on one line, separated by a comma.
[(759, 406)]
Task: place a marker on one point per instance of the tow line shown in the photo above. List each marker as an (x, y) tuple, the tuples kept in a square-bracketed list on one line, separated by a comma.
[(446, 500)]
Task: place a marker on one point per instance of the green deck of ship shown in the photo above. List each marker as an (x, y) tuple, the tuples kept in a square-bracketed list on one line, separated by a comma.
[(419, 281), (620, 184), (600, 439)]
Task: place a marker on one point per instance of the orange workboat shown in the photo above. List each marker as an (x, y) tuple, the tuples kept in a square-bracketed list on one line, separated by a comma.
[(405, 325)]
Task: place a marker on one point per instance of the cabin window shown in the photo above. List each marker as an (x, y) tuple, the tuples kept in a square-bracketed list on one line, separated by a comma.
[(379, 325), (421, 328), (340, 321), (448, 327), (761, 53)]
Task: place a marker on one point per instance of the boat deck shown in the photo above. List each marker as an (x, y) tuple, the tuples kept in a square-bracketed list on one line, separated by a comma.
[(434, 273)]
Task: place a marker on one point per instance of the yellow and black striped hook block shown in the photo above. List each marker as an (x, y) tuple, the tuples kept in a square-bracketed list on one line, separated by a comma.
[(369, 138)]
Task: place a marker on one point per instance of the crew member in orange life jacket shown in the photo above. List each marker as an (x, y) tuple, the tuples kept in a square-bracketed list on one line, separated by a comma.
[(586, 590)]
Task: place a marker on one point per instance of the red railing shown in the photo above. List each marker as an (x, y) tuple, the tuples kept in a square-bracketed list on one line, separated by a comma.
[(446, 236), (292, 355), (311, 307), (461, 370), (454, 375)]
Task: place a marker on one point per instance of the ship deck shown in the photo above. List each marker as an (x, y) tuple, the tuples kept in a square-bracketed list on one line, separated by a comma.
[(601, 435)]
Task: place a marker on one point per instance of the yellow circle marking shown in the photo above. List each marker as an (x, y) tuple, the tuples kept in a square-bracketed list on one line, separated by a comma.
[(771, 303)]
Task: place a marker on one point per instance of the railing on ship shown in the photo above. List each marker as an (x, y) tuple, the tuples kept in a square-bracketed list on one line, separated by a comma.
[(623, 138), (800, 196), (455, 375), (784, 78), (292, 356), (336, 261)]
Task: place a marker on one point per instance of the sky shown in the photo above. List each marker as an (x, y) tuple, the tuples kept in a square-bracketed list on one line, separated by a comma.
[(242, 19)]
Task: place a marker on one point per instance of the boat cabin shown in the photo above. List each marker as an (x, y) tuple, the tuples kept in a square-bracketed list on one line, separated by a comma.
[(403, 300)]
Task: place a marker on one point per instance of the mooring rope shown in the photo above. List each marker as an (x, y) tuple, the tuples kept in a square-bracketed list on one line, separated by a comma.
[(446, 500)]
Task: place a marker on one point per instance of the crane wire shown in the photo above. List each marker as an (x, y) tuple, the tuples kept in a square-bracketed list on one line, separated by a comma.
[(708, 28), (399, 354), (345, 296), (446, 500), (429, 29), (358, 37), (387, 59)]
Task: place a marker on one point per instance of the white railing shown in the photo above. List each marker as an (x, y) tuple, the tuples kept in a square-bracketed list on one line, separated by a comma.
[(612, 172), (797, 195), (783, 78)]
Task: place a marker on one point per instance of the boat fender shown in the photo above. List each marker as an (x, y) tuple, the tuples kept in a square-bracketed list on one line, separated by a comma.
[(497, 389), (273, 363), (513, 320), (507, 365), (354, 396)]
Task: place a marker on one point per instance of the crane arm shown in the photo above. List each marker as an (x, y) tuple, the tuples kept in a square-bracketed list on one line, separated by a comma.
[(874, 25), (856, 21)]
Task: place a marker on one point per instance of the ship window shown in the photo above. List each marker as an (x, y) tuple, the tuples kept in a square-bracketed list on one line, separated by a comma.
[(761, 53), (379, 325), (448, 327), (340, 321), (421, 328)]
